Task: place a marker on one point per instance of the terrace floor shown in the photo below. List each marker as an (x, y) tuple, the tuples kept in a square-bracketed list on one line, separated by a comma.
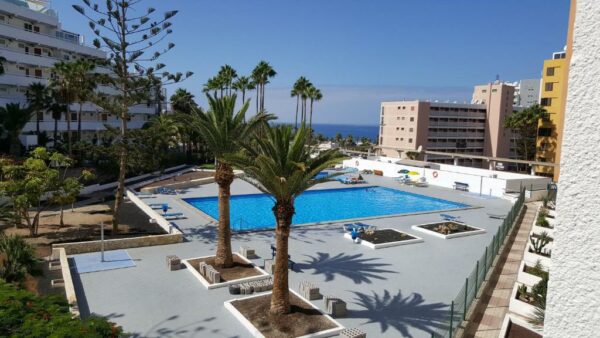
[(391, 292)]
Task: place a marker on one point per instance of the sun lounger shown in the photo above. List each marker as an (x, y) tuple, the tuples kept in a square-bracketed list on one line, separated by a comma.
[(348, 226), (497, 216), (158, 205), (450, 218), (165, 191), (173, 215)]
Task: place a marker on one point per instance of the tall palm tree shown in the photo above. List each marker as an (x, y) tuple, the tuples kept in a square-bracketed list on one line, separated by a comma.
[(299, 91), (261, 75), (213, 85), (38, 99), (56, 110), (182, 101), (84, 85), (65, 85), (13, 119), (222, 129), (243, 84), (227, 75), (280, 164), (314, 94)]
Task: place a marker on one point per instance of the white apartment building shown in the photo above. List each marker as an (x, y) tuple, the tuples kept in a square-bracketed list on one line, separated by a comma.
[(32, 40)]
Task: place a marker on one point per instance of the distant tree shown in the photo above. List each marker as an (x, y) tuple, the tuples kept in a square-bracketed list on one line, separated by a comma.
[(524, 123), (17, 259), (13, 119), (365, 140), (65, 86), (314, 94), (56, 110), (2, 61), (133, 39), (349, 141), (261, 74), (299, 91), (214, 85), (338, 138), (164, 133), (24, 314), (223, 129), (227, 75), (280, 164), (182, 101), (38, 98), (243, 84)]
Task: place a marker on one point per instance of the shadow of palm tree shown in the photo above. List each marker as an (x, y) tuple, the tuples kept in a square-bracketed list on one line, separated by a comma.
[(359, 270), (401, 313)]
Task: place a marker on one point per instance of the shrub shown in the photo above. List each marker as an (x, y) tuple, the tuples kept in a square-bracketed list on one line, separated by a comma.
[(538, 243), (17, 259), (543, 222), (537, 269), (22, 314)]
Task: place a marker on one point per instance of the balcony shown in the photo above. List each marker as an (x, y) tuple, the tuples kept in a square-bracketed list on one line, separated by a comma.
[(48, 126), (456, 135), (50, 41), (21, 80), (48, 17), (458, 125), (30, 59), (458, 115)]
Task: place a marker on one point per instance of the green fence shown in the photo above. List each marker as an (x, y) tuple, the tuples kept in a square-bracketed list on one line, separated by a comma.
[(460, 304)]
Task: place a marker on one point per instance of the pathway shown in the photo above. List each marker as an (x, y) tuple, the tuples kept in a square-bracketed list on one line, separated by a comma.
[(486, 321)]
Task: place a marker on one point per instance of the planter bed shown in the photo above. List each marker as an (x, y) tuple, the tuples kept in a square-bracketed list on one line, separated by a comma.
[(448, 229), (305, 321), (531, 258), (385, 238), (242, 271), (527, 278), (536, 229), (518, 306)]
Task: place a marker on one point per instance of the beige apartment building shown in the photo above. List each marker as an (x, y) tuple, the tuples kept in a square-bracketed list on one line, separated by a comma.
[(475, 128)]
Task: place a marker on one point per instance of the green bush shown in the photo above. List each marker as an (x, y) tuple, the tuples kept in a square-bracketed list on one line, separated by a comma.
[(17, 259), (23, 314)]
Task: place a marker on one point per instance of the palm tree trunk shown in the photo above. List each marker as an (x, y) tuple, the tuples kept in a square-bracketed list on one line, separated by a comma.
[(224, 176), (37, 123), (62, 222), (55, 131), (79, 121), (297, 103), (280, 298), (15, 144), (311, 111), (69, 134), (243, 96)]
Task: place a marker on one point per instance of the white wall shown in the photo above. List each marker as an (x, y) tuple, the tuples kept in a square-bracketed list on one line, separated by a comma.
[(573, 305)]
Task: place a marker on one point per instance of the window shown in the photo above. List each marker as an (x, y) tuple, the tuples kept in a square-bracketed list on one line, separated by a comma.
[(38, 73), (494, 90), (412, 108), (36, 29), (67, 58), (410, 129), (402, 118), (28, 27), (73, 116), (396, 139), (484, 91), (104, 117), (398, 118), (402, 139), (412, 119), (381, 140), (382, 108), (402, 128), (397, 128), (545, 132), (546, 101), (550, 71), (403, 107), (549, 86), (410, 140), (37, 51)]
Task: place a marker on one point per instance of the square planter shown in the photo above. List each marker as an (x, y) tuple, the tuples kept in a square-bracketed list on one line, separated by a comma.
[(424, 228), (530, 258), (519, 307), (412, 240), (527, 278), (256, 333), (538, 230), (262, 274)]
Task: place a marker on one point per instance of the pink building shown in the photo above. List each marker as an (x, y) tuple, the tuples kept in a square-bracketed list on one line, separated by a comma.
[(475, 128)]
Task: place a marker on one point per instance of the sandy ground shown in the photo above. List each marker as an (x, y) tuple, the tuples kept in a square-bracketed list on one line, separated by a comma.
[(81, 224)]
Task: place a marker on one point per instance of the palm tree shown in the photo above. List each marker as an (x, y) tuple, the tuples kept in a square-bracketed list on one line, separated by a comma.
[(227, 75), (213, 85), (84, 85), (280, 164), (19, 258), (13, 119), (223, 129), (164, 131), (65, 85), (314, 94), (299, 88), (38, 99), (261, 75), (57, 110), (243, 84), (182, 101)]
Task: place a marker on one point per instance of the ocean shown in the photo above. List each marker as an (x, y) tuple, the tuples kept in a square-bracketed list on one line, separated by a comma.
[(357, 131)]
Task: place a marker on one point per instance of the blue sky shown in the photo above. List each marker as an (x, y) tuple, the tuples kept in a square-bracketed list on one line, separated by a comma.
[(359, 52)]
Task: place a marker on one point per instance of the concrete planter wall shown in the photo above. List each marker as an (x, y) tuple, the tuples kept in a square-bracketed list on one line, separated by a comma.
[(263, 274), (420, 228), (120, 243), (414, 240), (518, 307), (527, 278), (530, 258)]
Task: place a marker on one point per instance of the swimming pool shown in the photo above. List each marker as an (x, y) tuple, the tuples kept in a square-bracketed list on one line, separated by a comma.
[(253, 212)]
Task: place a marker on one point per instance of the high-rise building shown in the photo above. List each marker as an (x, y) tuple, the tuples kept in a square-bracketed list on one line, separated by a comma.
[(32, 40), (554, 91), (527, 92), (475, 128)]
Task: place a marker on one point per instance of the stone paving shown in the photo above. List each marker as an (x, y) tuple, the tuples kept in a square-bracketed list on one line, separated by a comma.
[(486, 321), (397, 291)]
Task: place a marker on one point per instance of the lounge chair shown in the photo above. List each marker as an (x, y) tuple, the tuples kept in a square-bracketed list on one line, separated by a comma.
[(348, 227), (165, 191), (364, 226), (497, 216), (158, 205), (450, 218), (173, 215)]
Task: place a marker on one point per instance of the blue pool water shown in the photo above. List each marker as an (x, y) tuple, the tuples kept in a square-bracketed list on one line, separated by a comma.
[(253, 212)]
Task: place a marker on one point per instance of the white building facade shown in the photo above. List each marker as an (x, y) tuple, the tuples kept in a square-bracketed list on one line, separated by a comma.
[(32, 41)]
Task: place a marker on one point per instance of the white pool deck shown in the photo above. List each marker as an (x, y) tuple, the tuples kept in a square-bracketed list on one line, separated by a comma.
[(391, 292)]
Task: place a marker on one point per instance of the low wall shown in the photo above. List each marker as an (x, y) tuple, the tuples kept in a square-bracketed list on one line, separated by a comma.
[(121, 243), (68, 282), (152, 214), (180, 185)]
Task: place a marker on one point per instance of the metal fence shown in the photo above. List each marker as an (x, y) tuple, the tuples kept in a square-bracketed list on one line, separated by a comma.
[(461, 303)]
